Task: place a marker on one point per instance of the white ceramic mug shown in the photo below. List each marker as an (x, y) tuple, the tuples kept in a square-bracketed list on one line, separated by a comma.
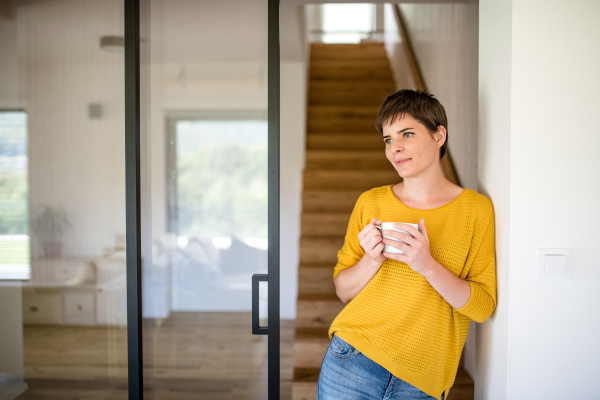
[(389, 226)]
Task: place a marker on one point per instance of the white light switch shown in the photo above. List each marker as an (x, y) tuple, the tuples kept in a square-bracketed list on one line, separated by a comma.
[(554, 264)]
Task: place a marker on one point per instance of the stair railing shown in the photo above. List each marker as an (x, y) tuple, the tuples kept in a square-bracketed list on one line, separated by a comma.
[(447, 164)]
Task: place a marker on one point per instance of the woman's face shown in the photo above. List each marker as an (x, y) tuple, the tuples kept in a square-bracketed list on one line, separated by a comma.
[(411, 147)]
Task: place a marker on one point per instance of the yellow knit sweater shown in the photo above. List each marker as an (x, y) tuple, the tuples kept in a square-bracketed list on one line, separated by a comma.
[(398, 320)]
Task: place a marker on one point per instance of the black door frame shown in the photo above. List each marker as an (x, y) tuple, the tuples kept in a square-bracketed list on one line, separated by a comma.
[(136, 28)]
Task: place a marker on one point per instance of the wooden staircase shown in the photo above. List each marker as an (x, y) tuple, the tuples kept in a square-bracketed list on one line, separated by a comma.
[(344, 157)]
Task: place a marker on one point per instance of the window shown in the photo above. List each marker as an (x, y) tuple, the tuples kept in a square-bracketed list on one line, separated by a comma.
[(217, 200), (343, 23), (217, 178), (14, 231)]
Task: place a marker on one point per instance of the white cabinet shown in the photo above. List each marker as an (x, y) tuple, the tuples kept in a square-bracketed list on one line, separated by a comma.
[(60, 291), (79, 307), (42, 308), (71, 306)]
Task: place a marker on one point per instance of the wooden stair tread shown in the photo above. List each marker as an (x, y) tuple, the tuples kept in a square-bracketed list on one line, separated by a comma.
[(378, 64), (306, 375), (366, 141), (349, 92), (318, 297), (346, 46), (372, 54), (323, 200), (373, 97), (316, 280), (349, 179), (328, 216), (342, 153), (326, 112), (348, 53), (340, 99), (318, 159), (346, 74), (350, 85), (315, 265), (324, 224), (317, 310), (342, 125), (312, 333)]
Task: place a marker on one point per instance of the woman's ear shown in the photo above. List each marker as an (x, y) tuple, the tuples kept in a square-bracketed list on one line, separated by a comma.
[(440, 136)]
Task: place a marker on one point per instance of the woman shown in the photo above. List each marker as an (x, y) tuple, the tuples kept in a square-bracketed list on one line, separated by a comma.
[(402, 332)]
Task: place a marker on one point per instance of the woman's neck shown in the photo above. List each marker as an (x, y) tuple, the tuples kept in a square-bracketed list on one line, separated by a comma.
[(426, 191)]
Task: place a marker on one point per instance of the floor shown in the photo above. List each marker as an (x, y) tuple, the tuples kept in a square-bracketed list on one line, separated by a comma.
[(186, 356)]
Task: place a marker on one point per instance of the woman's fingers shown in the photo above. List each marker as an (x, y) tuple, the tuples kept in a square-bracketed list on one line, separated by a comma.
[(405, 237), (396, 244), (372, 242), (369, 228), (395, 256), (411, 230)]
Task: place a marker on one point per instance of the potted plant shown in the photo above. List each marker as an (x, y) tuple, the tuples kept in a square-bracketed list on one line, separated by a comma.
[(49, 226)]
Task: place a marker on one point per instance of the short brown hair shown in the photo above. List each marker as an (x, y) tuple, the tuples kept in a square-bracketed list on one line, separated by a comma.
[(422, 106)]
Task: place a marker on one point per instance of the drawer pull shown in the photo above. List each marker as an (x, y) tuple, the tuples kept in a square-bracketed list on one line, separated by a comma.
[(33, 309)]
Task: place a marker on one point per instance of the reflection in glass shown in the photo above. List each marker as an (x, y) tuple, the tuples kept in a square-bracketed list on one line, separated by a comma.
[(218, 176), (64, 325), (208, 175)]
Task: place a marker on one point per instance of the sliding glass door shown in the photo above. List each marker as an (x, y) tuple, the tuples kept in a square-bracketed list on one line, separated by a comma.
[(204, 216), (139, 206), (63, 310)]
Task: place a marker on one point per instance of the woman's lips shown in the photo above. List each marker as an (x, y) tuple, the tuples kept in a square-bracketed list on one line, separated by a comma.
[(403, 161)]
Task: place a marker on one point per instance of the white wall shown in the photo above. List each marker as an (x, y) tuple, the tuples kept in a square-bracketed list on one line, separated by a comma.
[(551, 343), (444, 38), (75, 162), (395, 50), (293, 128), (489, 369), (554, 329)]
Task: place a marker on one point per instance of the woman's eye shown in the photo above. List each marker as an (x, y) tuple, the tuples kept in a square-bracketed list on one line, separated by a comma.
[(408, 134), (387, 141)]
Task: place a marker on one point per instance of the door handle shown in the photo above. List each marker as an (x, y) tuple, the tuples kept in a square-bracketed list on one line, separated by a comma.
[(256, 328)]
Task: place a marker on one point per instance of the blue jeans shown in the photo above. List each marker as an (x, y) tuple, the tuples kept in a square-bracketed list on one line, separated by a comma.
[(347, 374)]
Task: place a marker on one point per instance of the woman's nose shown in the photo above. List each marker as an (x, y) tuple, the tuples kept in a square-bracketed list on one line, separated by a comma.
[(397, 146)]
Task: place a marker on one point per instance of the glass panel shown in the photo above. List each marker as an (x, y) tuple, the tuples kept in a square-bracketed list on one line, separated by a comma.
[(207, 171), (63, 327)]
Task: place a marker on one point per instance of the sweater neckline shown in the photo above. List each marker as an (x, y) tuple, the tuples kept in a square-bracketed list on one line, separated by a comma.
[(391, 193)]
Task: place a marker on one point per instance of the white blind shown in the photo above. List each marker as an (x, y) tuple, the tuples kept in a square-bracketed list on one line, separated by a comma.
[(14, 238)]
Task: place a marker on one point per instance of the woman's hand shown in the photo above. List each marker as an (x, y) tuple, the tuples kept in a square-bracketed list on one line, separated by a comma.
[(350, 281), (371, 241), (416, 247)]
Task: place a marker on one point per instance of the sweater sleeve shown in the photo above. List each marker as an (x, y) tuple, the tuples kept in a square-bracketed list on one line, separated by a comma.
[(351, 251), (482, 276)]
